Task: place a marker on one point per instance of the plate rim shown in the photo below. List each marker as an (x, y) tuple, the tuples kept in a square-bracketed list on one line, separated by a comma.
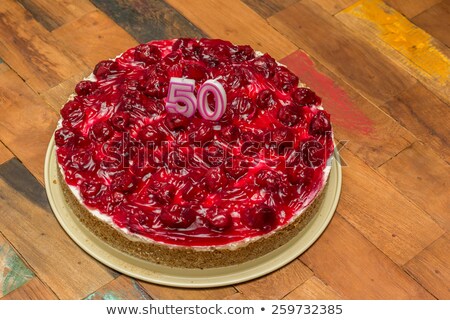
[(220, 277)]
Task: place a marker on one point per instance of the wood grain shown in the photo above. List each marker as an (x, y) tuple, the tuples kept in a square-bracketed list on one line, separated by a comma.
[(149, 20), (426, 116), (5, 154), (167, 293), (421, 175), (371, 134), (277, 284), (235, 22), (101, 37), (334, 6), (31, 51), (37, 235), (267, 8), (55, 13), (411, 8), (343, 52), (436, 21), (356, 269), (32, 290), (26, 124), (382, 214), (13, 271), (431, 268), (399, 39), (313, 289), (121, 288)]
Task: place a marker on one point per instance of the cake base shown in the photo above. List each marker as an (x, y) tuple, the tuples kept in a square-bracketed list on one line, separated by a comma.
[(186, 257)]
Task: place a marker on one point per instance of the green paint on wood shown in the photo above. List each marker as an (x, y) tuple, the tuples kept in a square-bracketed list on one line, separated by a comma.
[(13, 272), (103, 296)]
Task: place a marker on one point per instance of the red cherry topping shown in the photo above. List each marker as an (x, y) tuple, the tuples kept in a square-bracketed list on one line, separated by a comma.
[(215, 179), (176, 121), (305, 96), (260, 217), (101, 131), (320, 123), (105, 68), (266, 99), (147, 53), (177, 217), (219, 219), (84, 88)]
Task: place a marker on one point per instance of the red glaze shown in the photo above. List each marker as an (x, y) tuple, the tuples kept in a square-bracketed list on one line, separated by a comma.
[(191, 181)]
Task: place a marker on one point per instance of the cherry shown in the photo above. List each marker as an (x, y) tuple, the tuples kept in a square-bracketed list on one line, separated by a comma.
[(172, 58), (235, 167), (299, 175), (218, 219), (194, 192), (188, 47), (320, 123), (73, 112), (214, 153), (200, 133), (281, 139), (123, 181), (157, 86), (284, 79), (244, 107), (139, 220), (105, 68), (266, 99), (268, 179), (82, 160), (154, 107), (177, 216), (265, 65), (91, 190), (152, 134), (101, 131), (305, 96), (242, 53), (85, 87), (65, 137), (215, 179), (120, 121), (313, 153), (176, 121), (147, 53), (196, 72), (289, 115), (230, 134), (260, 217)]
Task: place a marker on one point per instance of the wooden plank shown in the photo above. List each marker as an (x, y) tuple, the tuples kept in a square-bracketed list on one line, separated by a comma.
[(426, 116), (235, 22), (343, 52), (334, 6), (428, 177), (37, 235), (121, 288), (55, 13), (431, 268), (149, 20), (26, 124), (277, 284), (400, 40), (13, 271), (382, 214), (32, 290), (372, 135), (31, 50), (57, 96), (411, 8), (167, 293), (313, 289), (355, 268), (267, 8), (436, 21), (101, 38), (5, 154)]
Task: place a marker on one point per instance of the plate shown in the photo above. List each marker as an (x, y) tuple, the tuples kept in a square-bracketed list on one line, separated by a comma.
[(188, 278)]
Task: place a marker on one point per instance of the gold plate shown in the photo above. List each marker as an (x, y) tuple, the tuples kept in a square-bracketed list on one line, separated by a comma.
[(188, 278)]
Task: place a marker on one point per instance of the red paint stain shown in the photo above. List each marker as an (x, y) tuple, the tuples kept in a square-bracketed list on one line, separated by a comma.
[(336, 101)]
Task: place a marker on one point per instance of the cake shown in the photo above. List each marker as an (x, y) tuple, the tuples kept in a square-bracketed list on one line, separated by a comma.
[(196, 183)]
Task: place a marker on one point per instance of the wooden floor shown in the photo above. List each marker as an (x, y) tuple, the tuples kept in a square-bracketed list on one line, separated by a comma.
[(382, 69)]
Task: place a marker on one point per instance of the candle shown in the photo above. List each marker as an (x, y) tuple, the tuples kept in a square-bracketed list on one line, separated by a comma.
[(220, 100), (181, 98)]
